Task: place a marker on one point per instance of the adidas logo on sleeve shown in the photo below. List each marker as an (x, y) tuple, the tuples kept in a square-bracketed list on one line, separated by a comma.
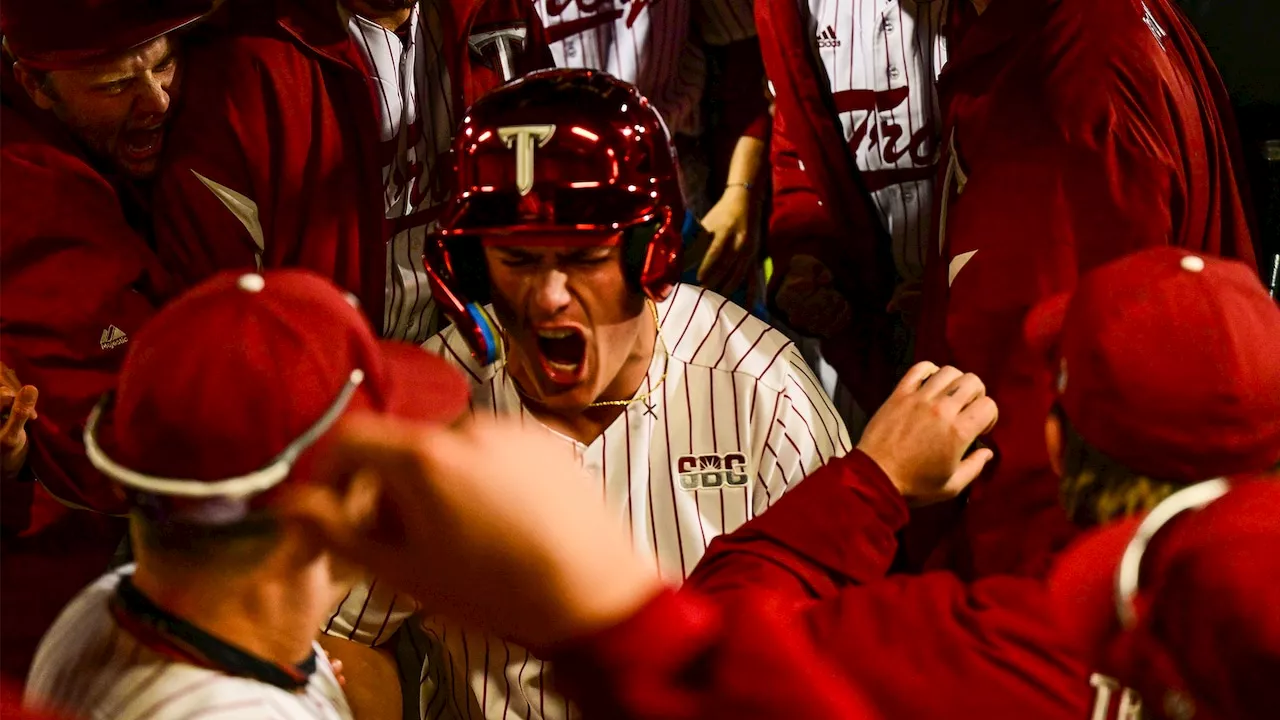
[(827, 38)]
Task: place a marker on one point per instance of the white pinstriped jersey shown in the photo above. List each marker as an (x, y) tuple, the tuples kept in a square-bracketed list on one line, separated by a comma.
[(739, 420), (415, 111), (653, 44), (882, 59), (89, 667)]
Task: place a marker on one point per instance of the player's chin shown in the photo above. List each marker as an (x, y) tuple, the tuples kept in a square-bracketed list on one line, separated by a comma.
[(563, 396)]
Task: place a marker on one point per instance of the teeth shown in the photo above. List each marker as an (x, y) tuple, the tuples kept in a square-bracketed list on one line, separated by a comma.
[(555, 334), (562, 366)]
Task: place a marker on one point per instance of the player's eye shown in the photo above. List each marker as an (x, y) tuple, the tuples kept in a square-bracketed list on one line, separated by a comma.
[(513, 260), (112, 88), (589, 258), (164, 66)]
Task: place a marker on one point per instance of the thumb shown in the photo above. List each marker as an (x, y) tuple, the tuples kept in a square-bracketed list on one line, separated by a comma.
[(968, 471), (22, 410), (26, 401)]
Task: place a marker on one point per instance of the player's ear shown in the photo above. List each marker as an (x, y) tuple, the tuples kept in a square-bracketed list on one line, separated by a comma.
[(336, 513), (1055, 441), (38, 85)]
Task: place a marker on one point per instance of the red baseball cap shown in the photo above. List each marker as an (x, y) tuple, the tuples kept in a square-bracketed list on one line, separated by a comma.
[(1169, 363), (60, 34), (224, 390), (1183, 606)]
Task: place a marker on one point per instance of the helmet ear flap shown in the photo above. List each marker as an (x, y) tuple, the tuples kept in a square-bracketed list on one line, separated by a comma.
[(470, 270), (459, 281), (635, 252)]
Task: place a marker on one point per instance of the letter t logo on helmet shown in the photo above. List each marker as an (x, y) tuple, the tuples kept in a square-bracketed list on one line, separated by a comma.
[(592, 160), (523, 138)]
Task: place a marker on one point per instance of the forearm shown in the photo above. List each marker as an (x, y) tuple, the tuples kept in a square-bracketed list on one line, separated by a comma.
[(372, 678), (749, 157)]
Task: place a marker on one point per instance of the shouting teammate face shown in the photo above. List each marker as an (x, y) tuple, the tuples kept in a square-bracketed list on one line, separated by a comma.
[(573, 324), (117, 108)]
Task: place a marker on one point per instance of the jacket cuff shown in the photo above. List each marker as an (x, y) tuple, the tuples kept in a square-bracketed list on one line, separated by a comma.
[(843, 517), (760, 127)]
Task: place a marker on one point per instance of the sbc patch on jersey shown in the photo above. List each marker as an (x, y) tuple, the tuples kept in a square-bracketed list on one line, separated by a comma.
[(712, 471)]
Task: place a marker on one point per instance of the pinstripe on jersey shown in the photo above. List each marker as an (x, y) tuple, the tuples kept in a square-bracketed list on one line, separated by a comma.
[(648, 43), (416, 114), (882, 58), (738, 402), (88, 667)]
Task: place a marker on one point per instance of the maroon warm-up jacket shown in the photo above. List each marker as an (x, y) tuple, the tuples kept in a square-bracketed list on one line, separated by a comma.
[(1074, 131), (77, 280), (793, 616), (278, 109)]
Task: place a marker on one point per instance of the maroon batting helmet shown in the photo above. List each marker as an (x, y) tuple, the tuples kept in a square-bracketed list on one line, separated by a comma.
[(556, 154)]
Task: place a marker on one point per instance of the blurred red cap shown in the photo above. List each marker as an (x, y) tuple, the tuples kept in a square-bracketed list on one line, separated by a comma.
[(225, 389), (1169, 363), (1203, 641), (59, 34)]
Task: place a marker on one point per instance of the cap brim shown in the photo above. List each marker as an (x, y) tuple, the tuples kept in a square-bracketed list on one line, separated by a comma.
[(1043, 326), (181, 16), (422, 386)]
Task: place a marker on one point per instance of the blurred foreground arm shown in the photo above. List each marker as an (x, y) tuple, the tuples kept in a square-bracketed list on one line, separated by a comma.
[(495, 525)]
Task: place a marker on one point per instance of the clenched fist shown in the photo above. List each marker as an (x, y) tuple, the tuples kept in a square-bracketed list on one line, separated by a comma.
[(812, 305), (920, 435)]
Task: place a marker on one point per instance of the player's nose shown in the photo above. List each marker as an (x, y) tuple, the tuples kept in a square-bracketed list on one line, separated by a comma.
[(551, 294), (153, 99)]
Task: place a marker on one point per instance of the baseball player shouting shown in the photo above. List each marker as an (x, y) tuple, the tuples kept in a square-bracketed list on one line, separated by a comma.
[(693, 415), (812, 570), (210, 441)]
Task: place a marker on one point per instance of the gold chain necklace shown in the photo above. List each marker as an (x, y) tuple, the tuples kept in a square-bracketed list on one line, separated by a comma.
[(666, 362)]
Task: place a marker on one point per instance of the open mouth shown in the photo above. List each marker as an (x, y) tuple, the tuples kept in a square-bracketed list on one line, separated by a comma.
[(144, 143), (564, 354)]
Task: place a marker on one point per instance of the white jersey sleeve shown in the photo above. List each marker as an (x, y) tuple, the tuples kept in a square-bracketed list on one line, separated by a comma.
[(806, 433), (89, 666), (370, 614)]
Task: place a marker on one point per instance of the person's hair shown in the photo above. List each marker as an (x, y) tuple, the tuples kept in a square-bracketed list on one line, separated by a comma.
[(235, 546), (1096, 488)]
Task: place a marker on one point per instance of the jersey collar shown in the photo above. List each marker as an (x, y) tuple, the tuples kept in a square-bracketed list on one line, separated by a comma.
[(178, 639)]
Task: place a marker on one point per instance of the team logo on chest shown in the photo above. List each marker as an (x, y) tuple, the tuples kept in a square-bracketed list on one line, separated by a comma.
[(712, 471)]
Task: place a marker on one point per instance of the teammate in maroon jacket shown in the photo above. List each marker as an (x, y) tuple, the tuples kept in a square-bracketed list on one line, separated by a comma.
[(1181, 605), (1160, 386), (1138, 150), (1072, 132), (315, 137), (87, 89)]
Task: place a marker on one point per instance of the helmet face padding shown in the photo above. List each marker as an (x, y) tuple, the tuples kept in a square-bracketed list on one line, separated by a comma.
[(557, 156), (471, 270)]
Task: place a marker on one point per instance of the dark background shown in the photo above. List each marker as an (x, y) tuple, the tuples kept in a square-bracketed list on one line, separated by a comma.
[(1244, 38)]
